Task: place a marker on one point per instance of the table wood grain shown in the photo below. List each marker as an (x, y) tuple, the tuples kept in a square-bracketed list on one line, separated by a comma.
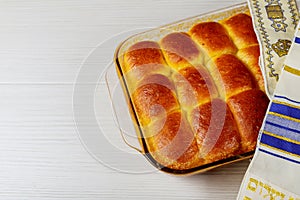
[(42, 47)]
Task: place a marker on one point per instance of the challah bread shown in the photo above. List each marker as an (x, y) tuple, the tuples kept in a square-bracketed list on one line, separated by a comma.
[(142, 59), (250, 57), (172, 142), (153, 98), (240, 29), (198, 95), (180, 51), (231, 75), (215, 130), (212, 38), (143, 53), (194, 86), (192, 81), (249, 109)]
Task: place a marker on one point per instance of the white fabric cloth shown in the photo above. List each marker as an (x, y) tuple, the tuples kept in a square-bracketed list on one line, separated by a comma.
[(275, 22), (274, 170)]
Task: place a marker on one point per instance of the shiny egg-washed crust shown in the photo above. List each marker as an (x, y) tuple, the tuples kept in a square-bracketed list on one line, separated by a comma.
[(180, 50), (216, 131), (250, 57), (249, 109), (143, 53), (174, 144), (152, 100), (231, 75), (241, 30), (197, 95), (194, 86), (213, 38), (144, 58)]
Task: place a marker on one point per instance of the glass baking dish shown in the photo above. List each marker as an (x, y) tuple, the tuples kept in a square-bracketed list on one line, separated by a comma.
[(115, 76)]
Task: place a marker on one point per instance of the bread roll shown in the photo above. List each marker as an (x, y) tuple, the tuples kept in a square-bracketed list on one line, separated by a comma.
[(142, 59), (143, 53), (154, 99), (180, 51), (213, 39), (173, 143), (216, 132), (194, 86), (241, 30), (250, 57), (249, 109), (231, 75)]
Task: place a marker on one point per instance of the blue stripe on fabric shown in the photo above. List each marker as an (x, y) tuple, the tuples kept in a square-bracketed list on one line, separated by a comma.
[(282, 132), (297, 40), (285, 110), (287, 123), (279, 156), (283, 127), (280, 144), (283, 97)]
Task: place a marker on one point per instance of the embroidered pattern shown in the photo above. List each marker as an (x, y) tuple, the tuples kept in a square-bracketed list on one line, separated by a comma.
[(275, 14), (272, 18), (294, 11), (265, 38), (281, 47)]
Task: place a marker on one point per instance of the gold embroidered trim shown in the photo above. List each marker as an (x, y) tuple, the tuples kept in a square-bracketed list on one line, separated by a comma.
[(292, 70), (280, 150), (286, 104), (284, 116)]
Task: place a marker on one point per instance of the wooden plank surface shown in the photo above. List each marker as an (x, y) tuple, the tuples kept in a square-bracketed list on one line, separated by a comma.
[(42, 47)]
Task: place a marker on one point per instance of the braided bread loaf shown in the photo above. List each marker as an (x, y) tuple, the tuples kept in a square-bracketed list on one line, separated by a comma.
[(199, 96)]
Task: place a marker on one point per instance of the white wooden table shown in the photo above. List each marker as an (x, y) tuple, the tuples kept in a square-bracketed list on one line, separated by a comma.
[(42, 47)]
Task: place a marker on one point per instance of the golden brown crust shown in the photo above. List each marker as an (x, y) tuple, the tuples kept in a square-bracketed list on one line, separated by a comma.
[(194, 86), (231, 75), (144, 58), (158, 79), (180, 50), (152, 100), (143, 53), (180, 88), (241, 30), (216, 131), (249, 109), (174, 144), (250, 56), (213, 38)]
